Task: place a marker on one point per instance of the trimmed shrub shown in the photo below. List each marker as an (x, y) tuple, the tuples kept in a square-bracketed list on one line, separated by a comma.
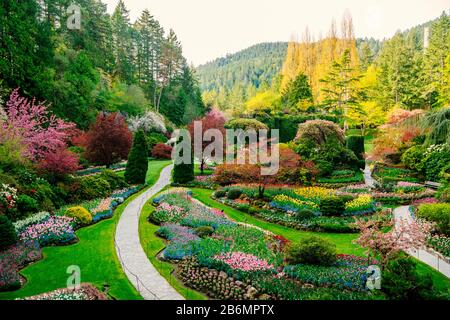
[(183, 172), (204, 231), (162, 151), (234, 194), (93, 187), (332, 206), (246, 124), (220, 193), (26, 205), (115, 181), (8, 235), (137, 165), (312, 250), (304, 214), (356, 144), (80, 214), (402, 282)]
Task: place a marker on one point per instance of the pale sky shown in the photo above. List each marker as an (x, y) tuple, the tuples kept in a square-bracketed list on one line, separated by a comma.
[(209, 29)]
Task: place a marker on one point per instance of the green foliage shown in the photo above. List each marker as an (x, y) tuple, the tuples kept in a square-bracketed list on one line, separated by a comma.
[(93, 187), (115, 181), (26, 205), (137, 165), (332, 206), (298, 91), (312, 250), (80, 214), (154, 138), (246, 124), (220, 193), (304, 214), (413, 158), (356, 144), (204, 231), (234, 194), (8, 235), (402, 282), (438, 213)]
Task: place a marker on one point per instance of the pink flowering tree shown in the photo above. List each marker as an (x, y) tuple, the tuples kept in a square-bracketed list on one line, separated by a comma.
[(40, 132), (385, 245), (59, 162)]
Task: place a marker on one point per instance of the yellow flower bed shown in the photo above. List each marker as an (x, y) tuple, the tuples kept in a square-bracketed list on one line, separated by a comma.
[(360, 203), (315, 192)]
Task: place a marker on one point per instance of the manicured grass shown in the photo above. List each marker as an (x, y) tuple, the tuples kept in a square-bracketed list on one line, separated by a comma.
[(152, 246), (440, 281), (343, 241), (95, 254)]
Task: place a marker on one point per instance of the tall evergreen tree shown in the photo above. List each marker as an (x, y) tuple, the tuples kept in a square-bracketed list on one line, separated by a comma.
[(298, 91), (137, 165)]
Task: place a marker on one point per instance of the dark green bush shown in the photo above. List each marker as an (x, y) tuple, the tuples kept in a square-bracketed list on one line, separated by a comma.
[(304, 214), (356, 144), (312, 250), (93, 187), (137, 165), (204, 231), (8, 235), (153, 139), (400, 281), (220, 193), (26, 204), (115, 181), (234, 194), (253, 210), (332, 206), (182, 172)]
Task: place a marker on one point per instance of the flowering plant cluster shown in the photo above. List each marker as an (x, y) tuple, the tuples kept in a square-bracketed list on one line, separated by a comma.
[(168, 213), (440, 243), (8, 196), (349, 272), (54, 230), (200, 215), (429, 200), (244, 261), (286, 203), (314, 194), (408, 187), (355, 188), (15, 258), (85, 292), (363, 203), (34, 219)]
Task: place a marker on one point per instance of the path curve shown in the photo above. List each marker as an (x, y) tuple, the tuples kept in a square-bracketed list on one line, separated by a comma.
[(139, 270), (402, 213)]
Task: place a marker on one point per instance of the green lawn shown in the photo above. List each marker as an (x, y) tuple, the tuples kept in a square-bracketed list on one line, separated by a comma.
[(206, 172), (95, 254), (152, 246)]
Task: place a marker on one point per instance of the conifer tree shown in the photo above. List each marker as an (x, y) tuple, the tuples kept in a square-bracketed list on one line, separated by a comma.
[(137, 165)]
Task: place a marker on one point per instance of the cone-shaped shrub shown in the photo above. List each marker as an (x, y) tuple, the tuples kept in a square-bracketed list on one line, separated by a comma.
[(137, 160), (183, 172)]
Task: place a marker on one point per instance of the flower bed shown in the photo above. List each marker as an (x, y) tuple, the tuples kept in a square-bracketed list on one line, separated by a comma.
[(342, 177), (408, 187), (349, 272), (362, 205), (85, 292), (354, 188), (15, 258), (441, 244), (54, 230), (283, 202)]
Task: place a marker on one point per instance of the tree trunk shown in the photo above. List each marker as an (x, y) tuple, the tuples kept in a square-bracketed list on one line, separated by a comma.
[(261, 190), (202, 166)]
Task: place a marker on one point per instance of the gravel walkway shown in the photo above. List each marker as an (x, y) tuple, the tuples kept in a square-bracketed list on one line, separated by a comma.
[(141, 273), (402, 213)]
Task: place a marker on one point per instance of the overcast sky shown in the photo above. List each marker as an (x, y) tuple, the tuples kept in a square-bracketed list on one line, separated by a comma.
[(209, 29)]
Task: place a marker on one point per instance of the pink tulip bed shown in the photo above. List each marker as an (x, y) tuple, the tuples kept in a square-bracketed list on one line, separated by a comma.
[(84, 292), (234, 254)]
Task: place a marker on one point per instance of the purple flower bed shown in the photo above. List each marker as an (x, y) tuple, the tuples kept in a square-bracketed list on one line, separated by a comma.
[(54, 230), (15, 258)]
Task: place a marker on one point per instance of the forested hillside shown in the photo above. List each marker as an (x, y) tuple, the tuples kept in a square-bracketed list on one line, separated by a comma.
[(110, 64)]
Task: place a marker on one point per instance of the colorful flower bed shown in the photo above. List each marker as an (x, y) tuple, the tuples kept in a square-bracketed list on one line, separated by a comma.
[(314, 194), (349, 272), (15, 258), (354, 188), (363, 204), (283, 202), (54, 230), (342, 177), (408, 187), (85, 292), (243, 261), (441, 244)]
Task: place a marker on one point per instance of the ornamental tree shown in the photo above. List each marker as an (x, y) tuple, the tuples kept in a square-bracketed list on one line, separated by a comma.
[(108, 140), (385, 245), (213, 120), (59, 163), (40, 132), (162, 151), (137, 165)]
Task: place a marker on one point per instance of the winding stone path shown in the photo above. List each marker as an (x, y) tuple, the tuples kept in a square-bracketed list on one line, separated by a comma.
[(141, 273), (402, 213), (370, 181)]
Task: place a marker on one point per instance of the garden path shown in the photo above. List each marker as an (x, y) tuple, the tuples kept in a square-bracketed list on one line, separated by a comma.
[(141, 273), (402, 213)]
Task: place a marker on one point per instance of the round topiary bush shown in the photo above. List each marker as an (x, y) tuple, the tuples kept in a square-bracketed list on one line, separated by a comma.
[(220, 193), (204, 231), (8, 235), (304, 214), (80, 214), (356, 144), (332, 206), (234, 194), (312, 250)]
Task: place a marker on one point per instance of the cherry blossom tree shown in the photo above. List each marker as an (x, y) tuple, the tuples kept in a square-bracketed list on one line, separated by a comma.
[(385, 245), (30, 121)]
